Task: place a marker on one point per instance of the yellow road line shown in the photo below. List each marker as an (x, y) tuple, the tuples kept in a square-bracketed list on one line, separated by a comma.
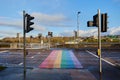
[(57, 63)]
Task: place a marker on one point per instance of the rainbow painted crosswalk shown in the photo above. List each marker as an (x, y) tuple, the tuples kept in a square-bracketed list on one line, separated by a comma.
[(61, 59)]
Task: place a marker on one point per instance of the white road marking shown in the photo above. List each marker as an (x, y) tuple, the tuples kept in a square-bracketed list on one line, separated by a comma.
[(101, 58), (3, 51), (38, 53), (32, 57), (35, 55), (20, 63)]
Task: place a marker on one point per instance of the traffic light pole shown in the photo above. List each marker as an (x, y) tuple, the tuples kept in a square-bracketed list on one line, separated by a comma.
[(49, 42), (26, 28), (99, 21), (99, 43), (24, 45)]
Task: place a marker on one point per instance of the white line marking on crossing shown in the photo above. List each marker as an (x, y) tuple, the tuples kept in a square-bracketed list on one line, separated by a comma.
[(38, 53), (101, 58), (3, 51), (32, 57), (35, 55), (20, 63)]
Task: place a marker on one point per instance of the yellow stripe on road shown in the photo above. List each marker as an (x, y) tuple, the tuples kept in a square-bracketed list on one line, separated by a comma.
[(57, 63)]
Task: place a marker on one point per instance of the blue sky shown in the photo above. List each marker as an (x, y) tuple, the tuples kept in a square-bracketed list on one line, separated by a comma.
[(58, 16)]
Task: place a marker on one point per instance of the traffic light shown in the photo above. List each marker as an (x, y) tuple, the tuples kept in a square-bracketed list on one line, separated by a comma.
[(90, 23), (95, 20), (50, 34), (104, 22), (29, 23)]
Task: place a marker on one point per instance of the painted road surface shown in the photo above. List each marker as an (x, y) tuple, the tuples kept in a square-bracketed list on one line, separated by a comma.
[(61, 59)]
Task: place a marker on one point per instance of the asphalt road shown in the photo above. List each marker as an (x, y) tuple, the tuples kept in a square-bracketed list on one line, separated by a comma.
[(14, 61), (90, 62)]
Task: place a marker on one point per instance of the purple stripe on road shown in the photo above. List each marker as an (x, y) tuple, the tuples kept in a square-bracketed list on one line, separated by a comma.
[(76, 62)]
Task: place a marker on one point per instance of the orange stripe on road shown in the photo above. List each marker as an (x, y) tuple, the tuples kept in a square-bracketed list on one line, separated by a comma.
[(57, 63)]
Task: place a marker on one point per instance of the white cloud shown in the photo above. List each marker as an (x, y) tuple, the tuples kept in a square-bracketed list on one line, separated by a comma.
[(7, 21), (13, 26), (114, 31), (7, 33), (82, 33), (92, 32), (39, 27), (48, 18), (17, 23), (41, 21), (12, 23), (56, 20), (66, 33)]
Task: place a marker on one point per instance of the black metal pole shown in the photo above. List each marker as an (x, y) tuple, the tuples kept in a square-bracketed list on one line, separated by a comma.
[(24, 45), (78, 29)]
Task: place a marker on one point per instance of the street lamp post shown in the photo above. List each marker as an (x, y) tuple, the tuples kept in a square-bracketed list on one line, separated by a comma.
[(18, 37), (78, 24), (78, 29)]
